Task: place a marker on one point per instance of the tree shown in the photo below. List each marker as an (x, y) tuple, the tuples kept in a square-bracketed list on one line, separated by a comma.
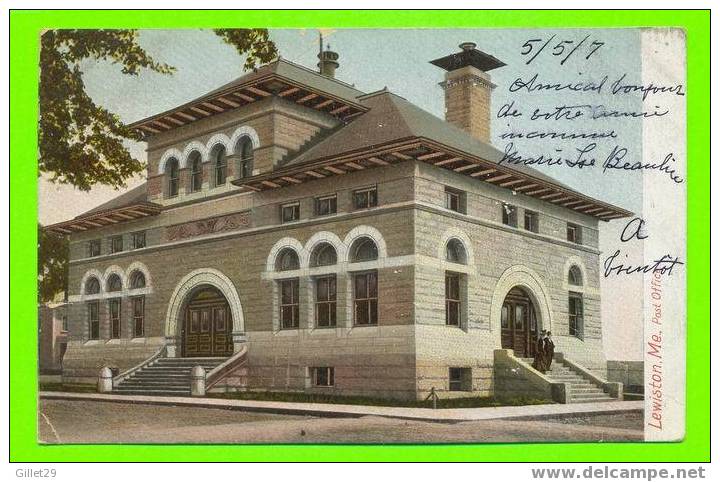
[(52, 264), (81, 143)]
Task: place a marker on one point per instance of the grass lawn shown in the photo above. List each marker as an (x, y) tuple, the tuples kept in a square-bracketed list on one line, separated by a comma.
[(67, 387), (469, 402)]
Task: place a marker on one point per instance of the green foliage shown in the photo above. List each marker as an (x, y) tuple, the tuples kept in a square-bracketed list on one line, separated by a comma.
[(80, 142), (52, 264), (301, 397), (255, 43)]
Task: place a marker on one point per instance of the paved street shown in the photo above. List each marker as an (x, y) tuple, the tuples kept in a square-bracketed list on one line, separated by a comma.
[(72, 421)]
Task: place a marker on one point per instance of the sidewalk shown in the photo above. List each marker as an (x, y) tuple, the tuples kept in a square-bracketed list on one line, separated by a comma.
[(336, 410)]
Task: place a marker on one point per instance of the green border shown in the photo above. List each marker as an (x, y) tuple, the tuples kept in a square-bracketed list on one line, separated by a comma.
[(24, 46)]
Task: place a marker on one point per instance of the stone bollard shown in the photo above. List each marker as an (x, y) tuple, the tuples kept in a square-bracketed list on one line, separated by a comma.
[(197, 381), (105, 380)]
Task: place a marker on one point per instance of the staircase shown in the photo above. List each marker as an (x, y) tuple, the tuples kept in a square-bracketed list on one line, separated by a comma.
[(164, 377), (579, 388)]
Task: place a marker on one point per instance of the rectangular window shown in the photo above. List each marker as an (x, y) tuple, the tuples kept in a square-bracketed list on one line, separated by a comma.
[(574, 233), (196, 175), (460, 379), (138, 240), (365, 291), (174, 183), (326, 205), (455, 200), (94, 320), (114, 308), (64, 323), (365, 198), (138, 308), (220, 172), (289, 303), (116, 244), (323, 376), (452, 299), (93, 248), (290, 212), (326, 301), (531, 221), (246, 168), (575, 312), (509, 215)]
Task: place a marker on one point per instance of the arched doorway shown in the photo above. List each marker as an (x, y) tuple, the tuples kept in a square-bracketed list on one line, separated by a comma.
[(518, 323), (207, 324)]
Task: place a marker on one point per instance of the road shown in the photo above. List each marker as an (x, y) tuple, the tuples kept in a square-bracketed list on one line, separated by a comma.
[(66, 421)]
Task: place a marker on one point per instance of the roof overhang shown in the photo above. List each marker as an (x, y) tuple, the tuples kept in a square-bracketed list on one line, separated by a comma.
[(245, 93), (439, 155), (105, 218)]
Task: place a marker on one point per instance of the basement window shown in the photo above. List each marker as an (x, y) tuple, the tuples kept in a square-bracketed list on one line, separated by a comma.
[(323, 376), (460, 379)]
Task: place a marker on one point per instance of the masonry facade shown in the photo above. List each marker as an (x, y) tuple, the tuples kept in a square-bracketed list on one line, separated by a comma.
[(347, 243)]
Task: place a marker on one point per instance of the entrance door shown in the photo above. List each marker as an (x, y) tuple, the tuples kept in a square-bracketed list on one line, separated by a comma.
[(518, 325), (207, 326)]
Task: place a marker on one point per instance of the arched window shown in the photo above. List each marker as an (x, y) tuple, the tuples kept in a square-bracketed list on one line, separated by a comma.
[(455, 251), (575, 276), (92, 286), (245, 149), (196, 175), (364, 249), (287, 260), (220, 164), (137, 280), (324, 255), (173, 170), (114, 283)]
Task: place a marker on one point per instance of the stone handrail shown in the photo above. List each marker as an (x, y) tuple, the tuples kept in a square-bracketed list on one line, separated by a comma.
[(217, 373), (122, 376), (557, 390), (614, 389)]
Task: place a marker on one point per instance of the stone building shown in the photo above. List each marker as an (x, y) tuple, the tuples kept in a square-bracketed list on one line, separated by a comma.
[(296, 234)]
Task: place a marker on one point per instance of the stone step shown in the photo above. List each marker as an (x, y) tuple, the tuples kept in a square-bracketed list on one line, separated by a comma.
[(584, 390), (165, 377), (153, 382), (566, 376), (159, 393), (592, 400), (578, 396), (189, 361)]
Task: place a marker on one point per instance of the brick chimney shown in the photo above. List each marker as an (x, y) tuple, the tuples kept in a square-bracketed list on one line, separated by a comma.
[(468, 89)]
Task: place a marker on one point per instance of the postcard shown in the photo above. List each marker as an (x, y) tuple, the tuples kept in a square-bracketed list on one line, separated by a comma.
[(362, 236)]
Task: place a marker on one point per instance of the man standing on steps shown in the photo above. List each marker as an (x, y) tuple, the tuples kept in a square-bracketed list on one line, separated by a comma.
[(539, 362), (549, 347)]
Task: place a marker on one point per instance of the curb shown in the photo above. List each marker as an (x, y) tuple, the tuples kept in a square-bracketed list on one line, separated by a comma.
[(448, 415)]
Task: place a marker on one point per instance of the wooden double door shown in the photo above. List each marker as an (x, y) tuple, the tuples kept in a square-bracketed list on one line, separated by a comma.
[(207, 329), (518, 324)]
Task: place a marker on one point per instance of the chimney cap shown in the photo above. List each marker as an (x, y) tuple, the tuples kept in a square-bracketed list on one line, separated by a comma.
[(468, 55)]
